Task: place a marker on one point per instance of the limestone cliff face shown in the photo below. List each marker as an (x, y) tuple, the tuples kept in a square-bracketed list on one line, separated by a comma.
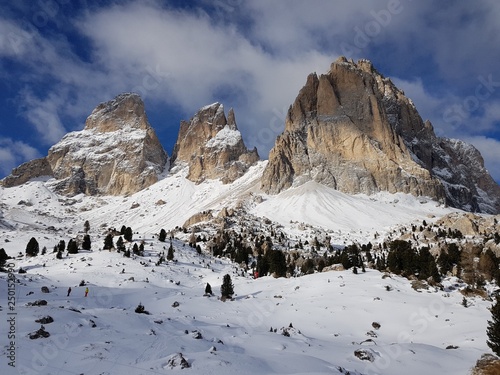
[(353, 130), (212, 146), (117, 153)]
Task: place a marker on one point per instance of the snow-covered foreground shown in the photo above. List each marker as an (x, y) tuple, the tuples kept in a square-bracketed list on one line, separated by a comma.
[(331, 314)]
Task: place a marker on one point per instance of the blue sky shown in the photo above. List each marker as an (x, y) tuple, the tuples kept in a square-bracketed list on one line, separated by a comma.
[(59, 59)]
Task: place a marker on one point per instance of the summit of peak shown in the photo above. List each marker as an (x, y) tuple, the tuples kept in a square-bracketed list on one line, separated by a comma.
[(125, 110)]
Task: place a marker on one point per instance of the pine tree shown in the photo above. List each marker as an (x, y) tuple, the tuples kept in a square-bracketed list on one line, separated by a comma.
[(61, 246), (277, 262), (86, 226), (208, 289), (32, 248), (108, 242), (3, 259), (469, 274), (128, 234), (227, 288), (86, 244), (72, 247), (170, 253), (135, 249), (119, 244), (162, 236), (493, 329)]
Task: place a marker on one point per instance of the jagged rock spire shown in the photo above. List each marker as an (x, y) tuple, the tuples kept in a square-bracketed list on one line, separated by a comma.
[(212, 146)]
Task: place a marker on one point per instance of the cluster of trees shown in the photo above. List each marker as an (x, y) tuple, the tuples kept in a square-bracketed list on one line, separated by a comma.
[(407, 261), (273, 262)]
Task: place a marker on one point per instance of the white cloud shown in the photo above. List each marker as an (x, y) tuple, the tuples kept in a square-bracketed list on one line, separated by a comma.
[(43, 114), (13, 153), (197, 60)]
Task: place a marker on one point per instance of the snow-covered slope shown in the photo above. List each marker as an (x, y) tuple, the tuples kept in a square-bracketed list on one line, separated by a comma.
[(331, 315), (174, 199)]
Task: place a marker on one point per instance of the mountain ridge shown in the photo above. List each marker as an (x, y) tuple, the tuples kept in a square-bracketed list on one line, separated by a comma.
[(351, 129)]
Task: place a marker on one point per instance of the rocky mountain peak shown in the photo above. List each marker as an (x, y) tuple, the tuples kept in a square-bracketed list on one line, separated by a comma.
[(125, 110), (117, 153), (212, 146), (354, 130)]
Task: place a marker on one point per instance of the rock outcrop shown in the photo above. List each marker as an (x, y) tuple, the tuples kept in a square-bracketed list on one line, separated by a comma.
[(117, 153), (354, 130), (212, 146)]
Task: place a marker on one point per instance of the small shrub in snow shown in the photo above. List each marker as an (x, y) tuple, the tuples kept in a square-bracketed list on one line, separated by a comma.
[(141, 310)]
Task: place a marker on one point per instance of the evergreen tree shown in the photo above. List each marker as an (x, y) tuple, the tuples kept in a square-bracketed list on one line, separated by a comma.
[(465, 303), (128, 234), (108, 242), (119, 244), (493, 329), (61, 246), (59, 254), (208, 289), (72, 247), (86, 244), (163, 235), (227, 287), (32, 248), (135, 249), (170, 253), (123, 229), (86, 227), (488, 264), (469, 274), (3, 259), (262, 265), (277, 262), (141, 248)]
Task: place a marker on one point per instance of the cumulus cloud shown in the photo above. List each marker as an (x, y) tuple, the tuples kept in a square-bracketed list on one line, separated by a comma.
[(13, 153), (196, 61)]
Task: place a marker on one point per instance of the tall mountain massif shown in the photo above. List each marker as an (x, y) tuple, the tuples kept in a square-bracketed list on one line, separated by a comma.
[(353, 130)]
